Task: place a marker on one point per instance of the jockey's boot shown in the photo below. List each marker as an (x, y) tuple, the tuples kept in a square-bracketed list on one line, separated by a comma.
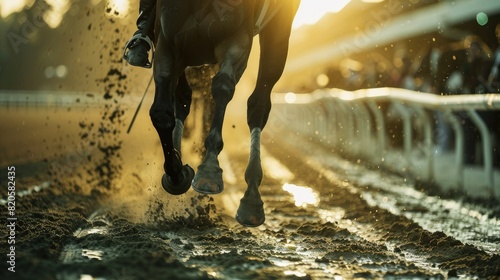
[(137, 49)]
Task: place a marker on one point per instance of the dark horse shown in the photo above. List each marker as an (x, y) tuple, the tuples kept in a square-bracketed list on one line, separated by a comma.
[(197, 32)]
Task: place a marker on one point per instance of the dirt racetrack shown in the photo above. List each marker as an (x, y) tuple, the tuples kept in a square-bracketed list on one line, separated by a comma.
[(89, 205)]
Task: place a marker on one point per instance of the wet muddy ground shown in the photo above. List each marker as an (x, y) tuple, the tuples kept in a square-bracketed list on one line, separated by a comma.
[(86, 211), (89, 204)]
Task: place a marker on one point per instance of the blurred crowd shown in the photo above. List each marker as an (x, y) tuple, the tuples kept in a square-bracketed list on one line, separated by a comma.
[(468, 66)]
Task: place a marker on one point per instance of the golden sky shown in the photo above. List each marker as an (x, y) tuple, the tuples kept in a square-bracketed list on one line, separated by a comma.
[(310, 11)]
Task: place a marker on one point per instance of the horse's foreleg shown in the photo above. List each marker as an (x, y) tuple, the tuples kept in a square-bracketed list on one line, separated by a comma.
[(251, 210), (233, 56), (274, 48), (177, 178), (208, 179)]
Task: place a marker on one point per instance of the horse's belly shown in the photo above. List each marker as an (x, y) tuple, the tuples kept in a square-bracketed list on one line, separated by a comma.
[(195, 47), (197, 53), (198, 36)]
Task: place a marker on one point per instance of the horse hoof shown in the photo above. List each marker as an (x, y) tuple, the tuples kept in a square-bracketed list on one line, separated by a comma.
[(183, 186), (250, 214), (208, 184)]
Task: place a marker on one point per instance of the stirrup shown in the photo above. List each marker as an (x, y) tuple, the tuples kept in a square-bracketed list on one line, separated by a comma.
[(139, 36)]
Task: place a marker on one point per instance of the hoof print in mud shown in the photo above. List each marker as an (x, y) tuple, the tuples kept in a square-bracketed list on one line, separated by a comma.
[(181, 187)]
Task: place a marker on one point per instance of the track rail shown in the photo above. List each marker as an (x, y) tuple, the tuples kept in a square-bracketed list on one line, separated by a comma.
[(357, 123), (18, 98)]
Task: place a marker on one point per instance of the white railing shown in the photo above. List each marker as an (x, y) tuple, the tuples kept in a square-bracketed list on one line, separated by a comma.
[(356, 123)]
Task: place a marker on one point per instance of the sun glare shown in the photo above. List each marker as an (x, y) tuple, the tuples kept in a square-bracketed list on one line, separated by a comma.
[(54, 16), (8, 7), (311, 11), (303, 196), (120, 8)]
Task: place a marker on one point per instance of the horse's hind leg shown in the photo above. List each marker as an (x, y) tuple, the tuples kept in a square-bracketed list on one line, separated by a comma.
[(232, 56), (274, 49), (177, 178)]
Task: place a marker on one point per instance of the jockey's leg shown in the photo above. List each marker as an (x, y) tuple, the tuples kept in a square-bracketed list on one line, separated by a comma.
[(136, 51)]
